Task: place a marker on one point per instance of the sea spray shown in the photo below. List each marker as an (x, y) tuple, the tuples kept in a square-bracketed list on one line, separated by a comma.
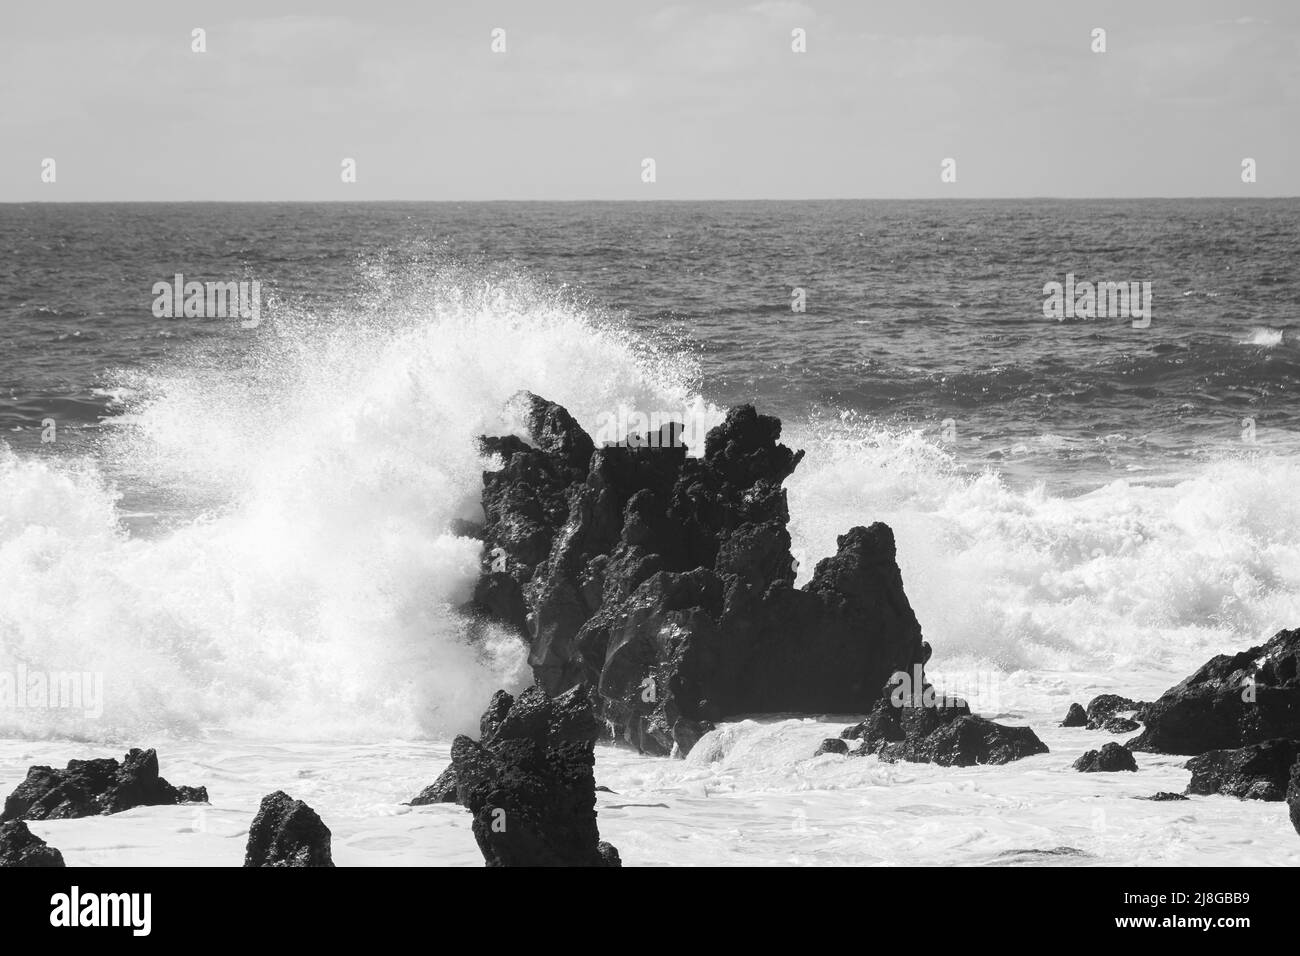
[(307, 585), (304, 582)]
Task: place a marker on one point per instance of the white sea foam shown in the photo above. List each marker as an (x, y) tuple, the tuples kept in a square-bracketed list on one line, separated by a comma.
[(312, 595), (1269, 338), (1142, 580), (749, 794)]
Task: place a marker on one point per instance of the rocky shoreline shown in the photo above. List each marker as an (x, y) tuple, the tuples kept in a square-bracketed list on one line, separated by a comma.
[(655, 593), (1237, 716)]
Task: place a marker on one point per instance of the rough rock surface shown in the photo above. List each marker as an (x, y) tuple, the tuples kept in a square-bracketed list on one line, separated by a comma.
[(664, 582), (1110, 758), (965, 742), (442, 790), (89, 787), (287, 832), (1120, 725), (1232, 701), (1105, 706), (1163, 796), (529, 781), (832, 745), (1293, 796), (1076, 716), (927, 730), (1257, 772), (19, 846)]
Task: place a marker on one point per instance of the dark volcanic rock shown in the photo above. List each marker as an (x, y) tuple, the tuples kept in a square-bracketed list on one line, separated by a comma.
[(942, 731), (664, 582), (1105, 706), (1293, 796), (287, 832), (89, 787), (529, 781), (1163, 796), (1230, 702), (466, 529), (1075, 717), (832, 745), (965, 742), (609, 854), (442, 790), (1120, 725), (1110, 758), (1257, 772), (19, 846)]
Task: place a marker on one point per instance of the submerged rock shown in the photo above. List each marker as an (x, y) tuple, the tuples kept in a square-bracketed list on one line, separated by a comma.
[(1076, 716), (1120, 725), (529, 781), (1105, 706), (287, 832), (89, 787), (19, 846), (1109, 759), (942, 731), (1163, 796), (664, 583), (965, 742), (832, 745), (1232, 701), (1257, 772)]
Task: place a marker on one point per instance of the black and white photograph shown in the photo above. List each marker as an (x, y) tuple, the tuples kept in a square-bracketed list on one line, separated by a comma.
[(726, 434)]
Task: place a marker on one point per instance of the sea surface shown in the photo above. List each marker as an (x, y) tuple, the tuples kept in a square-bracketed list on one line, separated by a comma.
[(244, 531)]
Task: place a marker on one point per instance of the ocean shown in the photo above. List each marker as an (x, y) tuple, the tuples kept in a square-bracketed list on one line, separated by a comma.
[(245, 530)]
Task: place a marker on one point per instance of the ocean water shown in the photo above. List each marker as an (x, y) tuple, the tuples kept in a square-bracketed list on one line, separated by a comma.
[(244, 531)]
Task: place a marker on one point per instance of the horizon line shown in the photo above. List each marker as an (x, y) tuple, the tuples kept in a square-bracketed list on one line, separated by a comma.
[(160, 202)]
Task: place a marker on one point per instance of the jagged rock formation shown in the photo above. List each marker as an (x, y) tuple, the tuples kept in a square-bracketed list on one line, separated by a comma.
[(529, 781), (1257, 772), (1232, 701), (1076, 716), (929, 729), (89, 787), (664, 583), (1112, 757), (1104, 707), (19, 846), (287, 832)]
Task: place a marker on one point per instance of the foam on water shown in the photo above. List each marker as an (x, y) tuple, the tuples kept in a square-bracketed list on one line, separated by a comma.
[(751, 793), (304, 582), (1142, 581), (1268, 338), (311, 595)]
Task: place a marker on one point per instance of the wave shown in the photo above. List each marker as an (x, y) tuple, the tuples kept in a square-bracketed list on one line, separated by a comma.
[(1141, 579), (306, 581), (302, 580), (1269, 338)]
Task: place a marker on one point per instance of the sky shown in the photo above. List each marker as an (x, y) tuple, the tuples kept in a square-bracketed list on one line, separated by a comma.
[(585, 90)]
